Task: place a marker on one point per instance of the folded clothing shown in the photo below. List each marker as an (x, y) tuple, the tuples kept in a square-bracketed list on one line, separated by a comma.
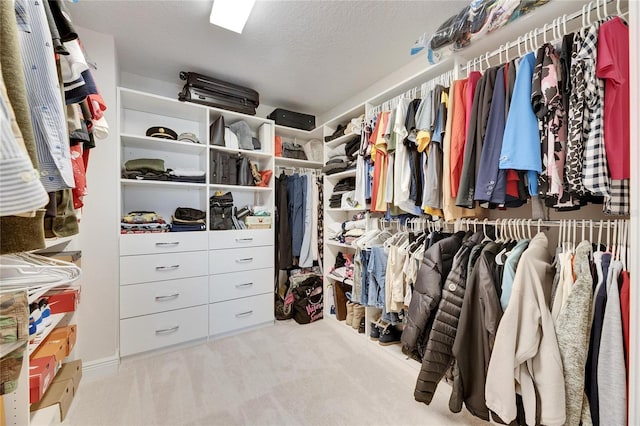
[(338, 151), (339, 132), (189, 179), (181, 227), (186, 172), (353, 224), (144, 226), (333, 168), (145, 175), (345, 184), (145, 164), (351, 147), (142, 217)]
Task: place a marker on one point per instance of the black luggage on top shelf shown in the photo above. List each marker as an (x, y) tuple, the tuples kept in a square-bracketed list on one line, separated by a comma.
[(209, 91), (296, 120)]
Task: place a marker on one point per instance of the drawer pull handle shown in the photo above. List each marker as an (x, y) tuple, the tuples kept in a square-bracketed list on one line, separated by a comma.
[(173, 243), (244, 314), (167, 268), (246, 259), (170, 296), (244, 240), (244, 285), (168, 330)]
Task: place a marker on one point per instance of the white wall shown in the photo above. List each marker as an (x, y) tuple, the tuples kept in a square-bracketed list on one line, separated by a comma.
[(98, 311)]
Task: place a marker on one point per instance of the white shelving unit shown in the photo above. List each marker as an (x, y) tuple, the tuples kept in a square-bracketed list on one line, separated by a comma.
[(336, 215), (181, 286)]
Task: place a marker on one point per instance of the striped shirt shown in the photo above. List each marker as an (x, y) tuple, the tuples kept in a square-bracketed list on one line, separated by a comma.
[(45, 101)]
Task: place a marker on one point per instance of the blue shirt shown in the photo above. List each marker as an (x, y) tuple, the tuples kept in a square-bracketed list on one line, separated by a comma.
[(510, 271), (521, 141)]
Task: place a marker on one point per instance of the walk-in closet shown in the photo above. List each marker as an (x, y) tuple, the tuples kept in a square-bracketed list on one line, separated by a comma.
[(251, 212)]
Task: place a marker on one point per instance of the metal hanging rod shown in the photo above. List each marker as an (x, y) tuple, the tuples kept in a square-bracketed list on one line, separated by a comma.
[(444, 79), (558, 28)]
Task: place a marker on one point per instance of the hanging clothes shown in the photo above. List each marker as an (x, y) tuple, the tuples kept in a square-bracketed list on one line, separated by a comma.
[(526, 353)]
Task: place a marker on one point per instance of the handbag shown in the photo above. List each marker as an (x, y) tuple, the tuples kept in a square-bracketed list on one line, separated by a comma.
[(245, 177), (221, 212), (216, 132), (308, 303), (278, 146), (293, 150)]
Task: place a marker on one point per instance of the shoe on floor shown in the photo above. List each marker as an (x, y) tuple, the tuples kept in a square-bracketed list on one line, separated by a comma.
[(349, 318), (358, 314), (390, 335), (361, 326), (374, 334)]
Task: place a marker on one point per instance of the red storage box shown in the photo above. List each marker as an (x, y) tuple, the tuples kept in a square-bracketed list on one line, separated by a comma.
[(41, 373), (63, 300), (67, 333)]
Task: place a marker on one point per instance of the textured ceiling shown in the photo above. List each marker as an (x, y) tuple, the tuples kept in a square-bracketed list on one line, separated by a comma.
[(307, 56)]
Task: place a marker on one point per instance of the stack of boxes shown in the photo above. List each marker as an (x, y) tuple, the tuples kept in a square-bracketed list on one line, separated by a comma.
[(50, 380)]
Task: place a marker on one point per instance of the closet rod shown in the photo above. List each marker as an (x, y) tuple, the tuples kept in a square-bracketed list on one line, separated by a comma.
[(609, 223), (445, 79), (559, 23)]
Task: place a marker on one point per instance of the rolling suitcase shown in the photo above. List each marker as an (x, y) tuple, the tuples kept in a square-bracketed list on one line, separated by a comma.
[(209, 91), (297, 120)]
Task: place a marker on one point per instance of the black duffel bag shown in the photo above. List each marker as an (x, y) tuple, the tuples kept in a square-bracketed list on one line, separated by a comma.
[(221, 212)]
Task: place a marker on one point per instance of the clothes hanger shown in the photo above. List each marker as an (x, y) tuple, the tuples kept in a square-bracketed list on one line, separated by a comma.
[(600, 235), (564, 24), (539, 225), (591, 231), (529, 228), (598, 10)]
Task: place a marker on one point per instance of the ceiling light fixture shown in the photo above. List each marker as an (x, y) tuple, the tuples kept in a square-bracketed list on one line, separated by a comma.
[(231, 14)]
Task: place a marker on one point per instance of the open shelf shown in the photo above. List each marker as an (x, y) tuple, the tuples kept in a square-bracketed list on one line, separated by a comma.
[(240, 188), (339, 141), (161, 184), (147, 142), (292, 162), (247, 152), (339, 244), (339, 279), (290, 132), (338, 176)]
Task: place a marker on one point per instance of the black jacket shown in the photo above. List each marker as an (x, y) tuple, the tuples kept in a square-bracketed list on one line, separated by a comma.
[(438, 357), (427, 291)]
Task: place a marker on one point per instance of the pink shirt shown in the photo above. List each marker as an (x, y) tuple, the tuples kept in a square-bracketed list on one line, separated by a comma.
[(613, 68)]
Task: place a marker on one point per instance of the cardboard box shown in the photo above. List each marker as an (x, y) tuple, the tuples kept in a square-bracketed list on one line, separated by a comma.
[(60, 392), (51, 347), (68, 256), (71, 370), (258, 222), (68, 333), (41, 373), (63, 300)]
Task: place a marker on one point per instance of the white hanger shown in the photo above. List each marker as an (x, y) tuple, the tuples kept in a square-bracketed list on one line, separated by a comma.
[(584, 16), (598, 9), (589, 8), (618, 8), (539, 225), (487, 60), (564, 24)]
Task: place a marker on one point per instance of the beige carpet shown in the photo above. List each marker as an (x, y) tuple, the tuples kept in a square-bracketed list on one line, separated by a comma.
[(318, 374)]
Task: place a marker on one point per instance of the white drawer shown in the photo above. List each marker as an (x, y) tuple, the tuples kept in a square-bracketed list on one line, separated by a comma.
[(240, 238), (161, 296), (158, 330), (240, 313), (162, 267), (236, 260), (164, 242), (240, 284)]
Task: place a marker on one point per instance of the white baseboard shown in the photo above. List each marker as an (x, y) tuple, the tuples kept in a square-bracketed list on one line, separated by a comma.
[(100, 368)]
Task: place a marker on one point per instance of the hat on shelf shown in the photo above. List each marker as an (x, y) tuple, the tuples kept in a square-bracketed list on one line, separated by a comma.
[(162, 132), (188, 137)]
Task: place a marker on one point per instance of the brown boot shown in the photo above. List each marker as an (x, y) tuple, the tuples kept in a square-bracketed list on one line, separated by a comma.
[(349, 319), (358, 314)]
